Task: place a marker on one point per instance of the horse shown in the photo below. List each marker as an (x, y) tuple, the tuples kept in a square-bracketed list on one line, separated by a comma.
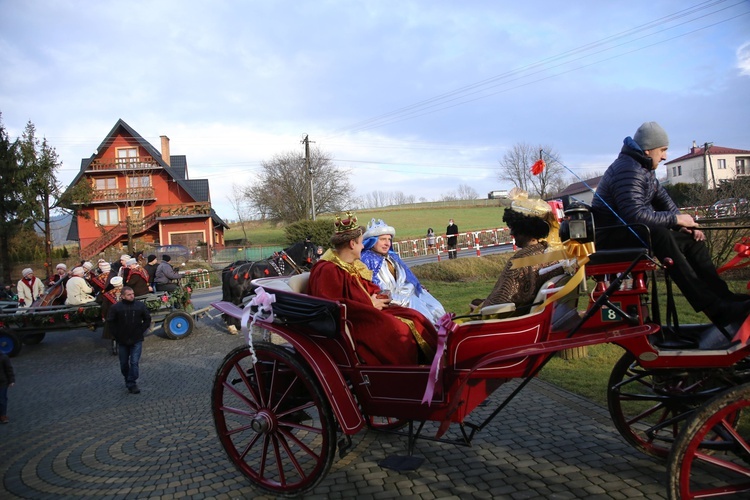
[(236, 278)]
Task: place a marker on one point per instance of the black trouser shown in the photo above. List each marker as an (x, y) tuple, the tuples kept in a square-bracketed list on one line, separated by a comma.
[(693, 271), (452, 254), (166, 287)]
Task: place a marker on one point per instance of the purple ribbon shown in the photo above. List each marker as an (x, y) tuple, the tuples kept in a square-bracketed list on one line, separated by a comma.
[(445, 325), (263, 301)]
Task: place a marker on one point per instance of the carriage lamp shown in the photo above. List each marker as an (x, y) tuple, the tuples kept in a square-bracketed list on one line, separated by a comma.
[(578, 224)]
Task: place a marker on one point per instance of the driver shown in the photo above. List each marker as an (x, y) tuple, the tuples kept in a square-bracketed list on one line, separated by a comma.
[(630, 188)]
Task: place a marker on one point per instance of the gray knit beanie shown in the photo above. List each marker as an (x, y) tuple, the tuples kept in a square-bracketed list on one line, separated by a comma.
[(650, 135)]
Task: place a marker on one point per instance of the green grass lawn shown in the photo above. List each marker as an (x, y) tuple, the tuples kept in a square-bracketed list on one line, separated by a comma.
[(409, 222)]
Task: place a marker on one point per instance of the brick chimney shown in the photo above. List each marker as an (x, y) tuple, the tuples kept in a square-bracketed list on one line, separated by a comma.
[(694, 149), (165, 149)]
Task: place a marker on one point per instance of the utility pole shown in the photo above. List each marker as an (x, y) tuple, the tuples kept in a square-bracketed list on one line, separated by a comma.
[(706, 155), (306, 142)]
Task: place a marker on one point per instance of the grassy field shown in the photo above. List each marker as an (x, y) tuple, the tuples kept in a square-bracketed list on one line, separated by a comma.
[(409, 222)]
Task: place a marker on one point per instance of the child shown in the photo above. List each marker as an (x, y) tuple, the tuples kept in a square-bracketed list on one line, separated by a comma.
[(7, 379)]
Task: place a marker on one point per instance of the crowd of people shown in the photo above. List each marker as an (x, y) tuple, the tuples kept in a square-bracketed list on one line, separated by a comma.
[(115, 287)]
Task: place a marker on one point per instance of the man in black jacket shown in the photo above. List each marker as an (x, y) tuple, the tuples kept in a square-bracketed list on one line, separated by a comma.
[(452, 232), (128, 320), (629, 188)]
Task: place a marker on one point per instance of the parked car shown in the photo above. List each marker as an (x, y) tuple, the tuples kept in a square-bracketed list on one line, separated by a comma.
[(179, 252), (729, 207)]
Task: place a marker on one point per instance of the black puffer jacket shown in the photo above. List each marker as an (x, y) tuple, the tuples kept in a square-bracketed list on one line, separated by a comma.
[(128, 321), (630, 187)]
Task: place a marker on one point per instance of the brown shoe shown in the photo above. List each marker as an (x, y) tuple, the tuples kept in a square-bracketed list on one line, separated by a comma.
[(4, 420)]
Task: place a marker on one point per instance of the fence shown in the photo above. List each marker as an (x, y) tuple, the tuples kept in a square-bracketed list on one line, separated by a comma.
[(198, 278), (232, 254), (472, 241)]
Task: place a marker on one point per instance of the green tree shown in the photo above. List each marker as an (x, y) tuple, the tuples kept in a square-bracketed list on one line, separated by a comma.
[(12, 188), (44, 194)]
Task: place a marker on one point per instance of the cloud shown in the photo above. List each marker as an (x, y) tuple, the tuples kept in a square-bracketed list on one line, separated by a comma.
[(743, 59)]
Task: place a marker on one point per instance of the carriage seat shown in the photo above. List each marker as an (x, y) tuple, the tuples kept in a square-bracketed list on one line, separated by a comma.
[(508, 310), (298, 282)]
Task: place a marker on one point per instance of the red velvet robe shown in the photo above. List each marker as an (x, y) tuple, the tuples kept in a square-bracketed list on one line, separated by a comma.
[(381, 337)]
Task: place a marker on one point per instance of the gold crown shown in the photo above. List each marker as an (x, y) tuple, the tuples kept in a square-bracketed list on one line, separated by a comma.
[(346, 224)]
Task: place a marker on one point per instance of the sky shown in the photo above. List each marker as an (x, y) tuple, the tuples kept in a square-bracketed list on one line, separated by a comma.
[(411, 96)]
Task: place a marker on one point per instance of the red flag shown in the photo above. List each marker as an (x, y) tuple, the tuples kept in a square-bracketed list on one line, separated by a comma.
[(538, 167)]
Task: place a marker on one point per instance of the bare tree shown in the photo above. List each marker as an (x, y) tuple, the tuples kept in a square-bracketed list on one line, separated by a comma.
[(282, 190), (238, 201), (515, 167), (466, 192)]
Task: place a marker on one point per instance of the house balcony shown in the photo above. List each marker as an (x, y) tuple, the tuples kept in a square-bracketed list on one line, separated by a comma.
[(123, 195), (121, 164)]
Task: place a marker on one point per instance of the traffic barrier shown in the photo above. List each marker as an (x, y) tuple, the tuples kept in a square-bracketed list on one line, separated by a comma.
[(198, 278)]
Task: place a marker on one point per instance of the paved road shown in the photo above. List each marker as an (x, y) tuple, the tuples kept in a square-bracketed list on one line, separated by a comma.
[(76, 432)]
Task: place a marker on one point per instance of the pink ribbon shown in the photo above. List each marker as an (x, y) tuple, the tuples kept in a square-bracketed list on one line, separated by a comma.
[(445, 325), (263, 301)]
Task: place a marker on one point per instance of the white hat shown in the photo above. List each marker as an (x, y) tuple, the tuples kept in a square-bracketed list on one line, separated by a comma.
[(379, 228), (88, 266), (116, 281), (61, 266), (78, 271), (124, 257), (105, 266), (131, 261), (27, 271)]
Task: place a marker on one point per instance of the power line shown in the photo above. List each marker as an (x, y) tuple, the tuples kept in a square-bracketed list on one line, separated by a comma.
[(439, 102)]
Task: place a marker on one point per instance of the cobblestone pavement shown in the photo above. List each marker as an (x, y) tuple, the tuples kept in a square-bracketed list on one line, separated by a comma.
[(75, 432)]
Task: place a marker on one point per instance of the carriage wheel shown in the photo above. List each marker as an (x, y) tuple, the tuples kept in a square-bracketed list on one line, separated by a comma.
[(649, 407), (33, 338), (178, 325), (10, 342), (721, 467), (273, 419)]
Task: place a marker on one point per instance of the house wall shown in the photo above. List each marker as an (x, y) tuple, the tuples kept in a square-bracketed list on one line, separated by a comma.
[(692, 170)]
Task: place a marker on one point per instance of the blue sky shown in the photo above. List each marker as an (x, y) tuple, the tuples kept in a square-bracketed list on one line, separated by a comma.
[(410, 96)]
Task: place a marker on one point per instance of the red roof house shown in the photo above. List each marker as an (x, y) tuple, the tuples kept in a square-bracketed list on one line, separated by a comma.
[(148, 193)]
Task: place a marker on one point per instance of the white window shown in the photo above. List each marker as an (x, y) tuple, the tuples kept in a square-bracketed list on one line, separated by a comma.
[(721, 164), (127, 157), (743, 166), (139, 181), (107, 217), (103, 183)]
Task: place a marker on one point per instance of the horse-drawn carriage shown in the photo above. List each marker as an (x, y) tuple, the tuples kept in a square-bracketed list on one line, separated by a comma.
[(19, 326), (281, 409)]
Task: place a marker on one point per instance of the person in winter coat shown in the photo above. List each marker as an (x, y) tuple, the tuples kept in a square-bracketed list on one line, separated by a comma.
[(29, 288), (128, 321), (630, 188), (165, 274), (452, 239), (78, 290), (137, 278), (7, 379)]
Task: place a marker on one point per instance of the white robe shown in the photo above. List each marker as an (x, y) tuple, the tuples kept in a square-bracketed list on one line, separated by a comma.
[(404, 294)]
